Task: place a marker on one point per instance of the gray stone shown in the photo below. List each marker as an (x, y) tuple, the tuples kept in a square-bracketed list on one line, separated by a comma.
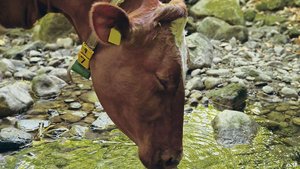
[(75, 106), (232, 96), (212, 82), (45, 86), (195, 84), (13, 139), (78, 131), (24, 74), (218, 72), (228, 10), (234, 128), (289, 92), (34, 53), (268, 89), (14, 98), (6, 65), (60, 73), (217, 29), (29, 125), (103, 122), (18, 52), (64, 42), (200, 50)]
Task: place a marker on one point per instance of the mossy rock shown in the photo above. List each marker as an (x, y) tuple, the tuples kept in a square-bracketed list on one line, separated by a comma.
[(53, 26), (249, 15), (269, 20), (271, 5), (227, 10)]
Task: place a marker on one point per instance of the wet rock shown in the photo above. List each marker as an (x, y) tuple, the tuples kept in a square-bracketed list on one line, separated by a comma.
[(103, 122), (195, 84), (232, 96), (12, 139), (78, 131), (30, 125), (89, 97), (212, 82), (60, 73), (289, 92), (45, 86), (217, 29), (234, 128), (200, 50), (228, 10), (53, 26), (14, 98), (73, 116)]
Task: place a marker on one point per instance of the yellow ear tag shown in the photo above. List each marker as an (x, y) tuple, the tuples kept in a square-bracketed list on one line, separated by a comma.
[(114, 36)]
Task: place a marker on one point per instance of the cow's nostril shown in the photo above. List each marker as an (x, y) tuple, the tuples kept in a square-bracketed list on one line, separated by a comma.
[(171, 162)]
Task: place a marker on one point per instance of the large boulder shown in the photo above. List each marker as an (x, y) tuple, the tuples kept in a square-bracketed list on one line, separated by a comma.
[(227, 10), (234, 128), (201, 51), (232, 96), (53, 26), (218, 29), (14, 98)]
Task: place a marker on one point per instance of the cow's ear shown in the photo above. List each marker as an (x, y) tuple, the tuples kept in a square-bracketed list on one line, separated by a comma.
[(109, 21)]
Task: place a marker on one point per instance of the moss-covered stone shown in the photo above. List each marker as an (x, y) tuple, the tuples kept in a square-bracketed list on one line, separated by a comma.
[(269, 19), (53, 26), (249, 15), (231, 97), (264, 5), (227, 10)]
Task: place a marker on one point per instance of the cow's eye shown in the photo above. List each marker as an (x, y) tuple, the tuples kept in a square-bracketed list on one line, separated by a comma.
[(162, 83)]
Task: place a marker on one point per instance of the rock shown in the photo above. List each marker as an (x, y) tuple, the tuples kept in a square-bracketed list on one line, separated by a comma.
[(30, 125), (14, 98), (232, 96), (279, 39), (75, 106), (227, 10), (78, 131), (6, 65), (103, 122), (51, 46), (64, 42), (217, 29), (218, 72), (60, 73), (12, 139), (268, 89), (200, 50), (34, 53), (289, 92), (296, 121), (249, 15), (195, 84), (73, 116), (269, 19), (212, 82), (45, 86), (234, 128), (18, 52), (89, 97), (270, 5), (53, 26), (24, 74), (276, 116)]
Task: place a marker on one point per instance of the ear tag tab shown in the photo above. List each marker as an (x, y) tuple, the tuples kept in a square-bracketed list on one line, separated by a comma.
[(114, 36)]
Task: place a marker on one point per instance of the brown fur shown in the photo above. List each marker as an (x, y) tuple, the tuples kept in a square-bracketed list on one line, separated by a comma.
[(139, 83)]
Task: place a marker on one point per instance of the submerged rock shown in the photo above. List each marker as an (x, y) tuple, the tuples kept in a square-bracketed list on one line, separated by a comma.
[(12, 139), (14, 99), (234, 128)]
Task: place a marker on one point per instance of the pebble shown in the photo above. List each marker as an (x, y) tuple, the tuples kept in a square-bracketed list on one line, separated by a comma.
[(75, 106), (268, 89), (289, 92)]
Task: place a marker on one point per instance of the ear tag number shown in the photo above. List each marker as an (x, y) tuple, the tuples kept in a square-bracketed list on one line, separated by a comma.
[(85, 55), (114, 36)]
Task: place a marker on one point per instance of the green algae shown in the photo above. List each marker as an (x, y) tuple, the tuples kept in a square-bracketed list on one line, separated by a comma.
[(267, 150)]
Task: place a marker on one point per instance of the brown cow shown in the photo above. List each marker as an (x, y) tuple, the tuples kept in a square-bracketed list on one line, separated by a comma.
[(139, 82)]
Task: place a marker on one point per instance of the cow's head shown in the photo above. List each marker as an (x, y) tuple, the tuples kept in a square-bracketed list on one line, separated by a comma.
[(140, 82)]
